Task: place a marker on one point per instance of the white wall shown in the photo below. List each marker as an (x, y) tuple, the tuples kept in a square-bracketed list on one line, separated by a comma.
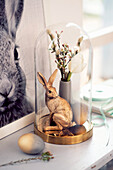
[(32, 23), (57, 11)]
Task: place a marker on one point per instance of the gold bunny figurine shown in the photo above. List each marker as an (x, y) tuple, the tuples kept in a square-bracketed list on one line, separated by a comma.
[(60, 110)]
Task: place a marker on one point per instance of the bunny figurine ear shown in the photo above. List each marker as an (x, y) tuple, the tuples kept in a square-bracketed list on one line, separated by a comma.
[(52, 78), (14, 9), (42, 79)]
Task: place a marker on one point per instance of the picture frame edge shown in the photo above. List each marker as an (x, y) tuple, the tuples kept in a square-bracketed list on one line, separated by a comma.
[(17, 125)]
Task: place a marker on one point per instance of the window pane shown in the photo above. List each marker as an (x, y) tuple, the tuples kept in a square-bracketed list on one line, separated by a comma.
[(92, 14), (103, 63), (97, 14)]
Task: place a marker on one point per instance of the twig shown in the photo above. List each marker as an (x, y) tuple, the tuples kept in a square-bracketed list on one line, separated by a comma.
[(46, 156)]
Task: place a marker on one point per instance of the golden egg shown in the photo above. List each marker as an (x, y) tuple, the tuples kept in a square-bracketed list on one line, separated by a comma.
[(31, 143), (80, 112)]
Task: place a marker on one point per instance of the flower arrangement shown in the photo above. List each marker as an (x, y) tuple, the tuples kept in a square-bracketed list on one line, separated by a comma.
[(68, 60)]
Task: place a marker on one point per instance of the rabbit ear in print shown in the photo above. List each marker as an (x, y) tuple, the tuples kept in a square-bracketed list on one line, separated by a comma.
[(42, 79), (14, 9), (3, 18), (52, 77)]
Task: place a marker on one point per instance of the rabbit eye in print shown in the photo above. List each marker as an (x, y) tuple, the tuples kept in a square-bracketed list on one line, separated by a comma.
[(13, 100), (16, 58)]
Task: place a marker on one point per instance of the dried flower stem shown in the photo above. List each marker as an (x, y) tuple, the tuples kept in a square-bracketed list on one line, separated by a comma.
[(46, 156)]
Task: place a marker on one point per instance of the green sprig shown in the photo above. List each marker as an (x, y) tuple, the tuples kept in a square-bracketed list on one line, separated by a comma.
[(46, 156)]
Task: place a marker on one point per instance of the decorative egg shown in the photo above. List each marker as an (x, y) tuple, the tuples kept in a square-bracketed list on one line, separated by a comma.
[(31, 143)]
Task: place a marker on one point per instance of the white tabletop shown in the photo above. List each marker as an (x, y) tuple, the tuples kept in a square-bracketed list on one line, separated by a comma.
[(91, 154)]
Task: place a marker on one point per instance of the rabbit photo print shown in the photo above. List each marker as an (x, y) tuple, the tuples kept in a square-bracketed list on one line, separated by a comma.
[(14, 102)]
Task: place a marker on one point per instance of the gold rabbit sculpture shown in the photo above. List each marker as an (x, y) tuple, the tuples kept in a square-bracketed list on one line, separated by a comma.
[(60, 110)]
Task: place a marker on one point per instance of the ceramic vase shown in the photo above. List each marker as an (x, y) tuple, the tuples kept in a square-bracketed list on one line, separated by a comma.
[(65, 90)]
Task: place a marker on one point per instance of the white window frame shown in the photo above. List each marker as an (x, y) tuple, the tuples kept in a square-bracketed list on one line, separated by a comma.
[(102, 37)]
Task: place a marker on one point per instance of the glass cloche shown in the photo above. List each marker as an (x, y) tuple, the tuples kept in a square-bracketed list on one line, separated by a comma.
[(63, 84)]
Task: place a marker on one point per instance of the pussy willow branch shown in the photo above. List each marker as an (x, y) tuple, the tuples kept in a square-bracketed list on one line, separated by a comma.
[(63, 54), (46, 156)]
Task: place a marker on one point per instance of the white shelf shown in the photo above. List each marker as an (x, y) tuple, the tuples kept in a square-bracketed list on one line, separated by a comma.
[(91, 154)]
